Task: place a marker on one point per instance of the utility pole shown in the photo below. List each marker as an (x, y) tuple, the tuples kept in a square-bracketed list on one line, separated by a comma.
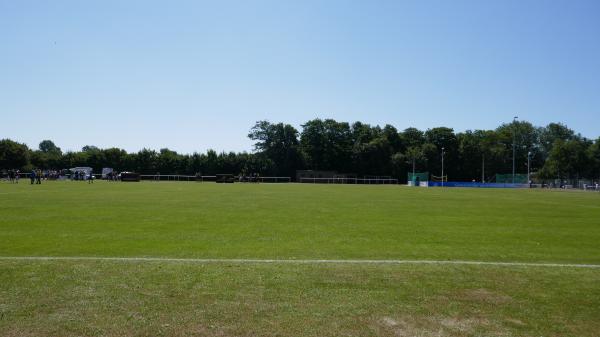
[(513, 147), (528, 163), (442, 167)]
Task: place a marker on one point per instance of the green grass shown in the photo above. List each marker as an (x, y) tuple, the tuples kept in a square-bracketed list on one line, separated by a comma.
[(298, 221), (188, 299), (291, 221)]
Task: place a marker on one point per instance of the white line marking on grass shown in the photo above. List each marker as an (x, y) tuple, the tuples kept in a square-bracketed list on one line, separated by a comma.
[(299, 261)]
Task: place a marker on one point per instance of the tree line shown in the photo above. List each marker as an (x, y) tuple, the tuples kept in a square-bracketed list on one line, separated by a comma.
[(554, 151)]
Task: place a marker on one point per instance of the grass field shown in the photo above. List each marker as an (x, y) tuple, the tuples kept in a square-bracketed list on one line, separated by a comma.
[(292, 221)]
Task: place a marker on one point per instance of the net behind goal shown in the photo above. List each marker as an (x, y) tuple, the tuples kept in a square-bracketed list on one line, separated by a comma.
[(419, 177), (508, 178)]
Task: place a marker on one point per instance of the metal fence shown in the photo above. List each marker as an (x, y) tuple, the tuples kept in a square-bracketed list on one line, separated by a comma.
[(259, 179), (175, 177), (207, 178), (368, 181)]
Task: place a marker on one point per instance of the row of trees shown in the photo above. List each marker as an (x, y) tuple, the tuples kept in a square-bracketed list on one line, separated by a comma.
[(554, 151), (49, 156)]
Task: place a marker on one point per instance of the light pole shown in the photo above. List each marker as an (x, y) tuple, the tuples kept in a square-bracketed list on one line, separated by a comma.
[(483, 168), (513, 146), (442, 167), (413, 175), (528, 163)]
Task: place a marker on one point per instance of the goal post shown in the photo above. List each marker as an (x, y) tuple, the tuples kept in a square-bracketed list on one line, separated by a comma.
[(439, 178)]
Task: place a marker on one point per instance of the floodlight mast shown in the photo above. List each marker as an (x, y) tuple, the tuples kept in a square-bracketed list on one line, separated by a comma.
[(528, 169), (513, 147), (442, 167)]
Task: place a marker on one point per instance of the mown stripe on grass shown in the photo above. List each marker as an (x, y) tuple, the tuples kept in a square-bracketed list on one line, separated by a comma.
[(296, 261)]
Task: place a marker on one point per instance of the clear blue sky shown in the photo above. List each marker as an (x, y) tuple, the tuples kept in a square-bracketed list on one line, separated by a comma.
[(197, 75)]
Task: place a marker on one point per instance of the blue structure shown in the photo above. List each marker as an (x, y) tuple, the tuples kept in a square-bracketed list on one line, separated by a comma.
[(475, 184)]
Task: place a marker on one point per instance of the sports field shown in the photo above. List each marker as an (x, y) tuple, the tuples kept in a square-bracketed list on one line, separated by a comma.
[(216, 260)]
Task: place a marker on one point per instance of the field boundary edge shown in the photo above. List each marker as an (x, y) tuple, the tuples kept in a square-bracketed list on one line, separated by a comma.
[(294, 261)]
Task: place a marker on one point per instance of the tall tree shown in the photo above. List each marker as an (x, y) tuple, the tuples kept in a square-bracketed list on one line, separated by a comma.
[(13, 155), (567, 159), (117, 159), (373, 157), (48, 156), (414, 155), (327, 144), (551, 133), (525, 138), (594, 156), (481, 155), (145, 161), (168, 162), (279, 143), (394, 138), (445, 138), (48, 146), (412, 137)]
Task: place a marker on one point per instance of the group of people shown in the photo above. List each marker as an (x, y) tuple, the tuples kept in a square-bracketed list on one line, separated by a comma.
[(13, 176), (52, 174), (112, 176), (36, 176), (83, 175), (78, 175)]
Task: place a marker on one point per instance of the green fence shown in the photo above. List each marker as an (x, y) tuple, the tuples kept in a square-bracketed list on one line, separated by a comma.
[(520, 178), (421, 176)]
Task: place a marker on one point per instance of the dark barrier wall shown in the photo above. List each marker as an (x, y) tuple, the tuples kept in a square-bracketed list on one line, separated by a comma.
[(130, 177)]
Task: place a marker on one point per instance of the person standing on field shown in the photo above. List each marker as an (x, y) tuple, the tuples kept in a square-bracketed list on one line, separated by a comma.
[(38, 177), (32, 176)]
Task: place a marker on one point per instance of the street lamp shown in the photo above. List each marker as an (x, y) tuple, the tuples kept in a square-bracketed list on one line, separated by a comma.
[(442, 167), (513, 146), (528, 163)]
